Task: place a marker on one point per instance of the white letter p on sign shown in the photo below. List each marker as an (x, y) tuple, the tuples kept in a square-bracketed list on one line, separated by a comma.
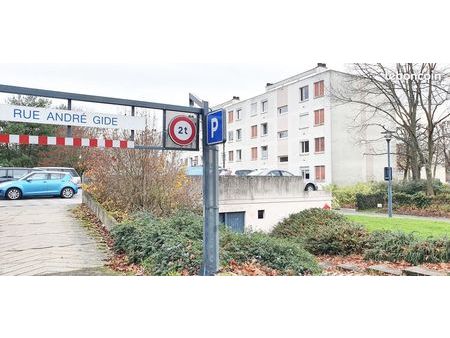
[(214, 126)]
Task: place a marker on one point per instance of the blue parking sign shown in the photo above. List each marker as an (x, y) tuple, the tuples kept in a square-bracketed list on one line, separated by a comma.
[(216, 127)]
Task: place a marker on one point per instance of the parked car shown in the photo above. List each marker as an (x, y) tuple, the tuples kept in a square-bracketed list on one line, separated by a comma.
[(309, 185), (194, 171), (40, 183), (243, 172), (13, 173), (71, 171)]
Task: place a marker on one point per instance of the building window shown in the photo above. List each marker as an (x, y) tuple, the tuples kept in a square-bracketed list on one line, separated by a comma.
[(254, 131), (230, 117), (254, 154), (282, 110), (320, 172), (260, 214), (303, 121), (319, 144), (319, 89), (264, 106), (283, 134), (304, 147), (304, 172), (231, 156), (238, 114), (230, 135), (239, 155), (283, 159), (253, 108), (238, 134), (319, 117), (304, 93), (264, 153), (263, 129)]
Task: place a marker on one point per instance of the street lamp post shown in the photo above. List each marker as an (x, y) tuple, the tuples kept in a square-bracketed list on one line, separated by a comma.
[(388, 137)]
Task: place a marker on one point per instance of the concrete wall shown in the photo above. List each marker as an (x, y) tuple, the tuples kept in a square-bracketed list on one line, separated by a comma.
[(277, 196), (108, 221)]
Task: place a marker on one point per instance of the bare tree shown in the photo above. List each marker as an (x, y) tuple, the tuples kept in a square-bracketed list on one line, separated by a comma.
[(410, 98)]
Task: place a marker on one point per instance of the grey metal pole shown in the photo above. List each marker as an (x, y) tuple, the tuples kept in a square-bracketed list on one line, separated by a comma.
[(69, 128), (390, 178), (211, 202), (132, 114)]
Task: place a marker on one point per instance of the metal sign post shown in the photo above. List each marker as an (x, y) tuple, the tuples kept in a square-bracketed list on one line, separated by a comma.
[(212, 125)]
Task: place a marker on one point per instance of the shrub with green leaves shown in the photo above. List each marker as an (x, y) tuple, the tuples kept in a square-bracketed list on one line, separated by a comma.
[(285, 256), (400, 246), (323, 232), (370, 201), (173, 246), (164, 246)]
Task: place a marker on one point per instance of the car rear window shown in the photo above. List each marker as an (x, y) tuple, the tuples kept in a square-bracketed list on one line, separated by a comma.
[(73, 173), (57, 176), (18, 173)]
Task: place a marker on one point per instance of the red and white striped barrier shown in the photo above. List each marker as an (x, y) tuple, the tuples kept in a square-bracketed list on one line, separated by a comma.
[(65, 141)]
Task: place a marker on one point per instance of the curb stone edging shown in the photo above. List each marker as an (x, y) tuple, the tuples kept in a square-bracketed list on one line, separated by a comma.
[(384, 270), (419, 271), (107, 220)]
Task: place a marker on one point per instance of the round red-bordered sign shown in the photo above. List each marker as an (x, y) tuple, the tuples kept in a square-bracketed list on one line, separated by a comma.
[(182, 130)]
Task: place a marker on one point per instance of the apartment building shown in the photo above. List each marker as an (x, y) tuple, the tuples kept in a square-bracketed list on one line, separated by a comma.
[(296, 125)]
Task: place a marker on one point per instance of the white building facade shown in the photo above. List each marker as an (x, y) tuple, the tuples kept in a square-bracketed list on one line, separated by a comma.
[(295, 125)]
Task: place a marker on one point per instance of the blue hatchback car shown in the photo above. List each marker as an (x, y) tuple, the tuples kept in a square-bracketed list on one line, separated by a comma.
[(40, 183)]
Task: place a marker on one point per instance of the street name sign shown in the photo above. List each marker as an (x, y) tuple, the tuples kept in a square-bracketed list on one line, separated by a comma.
[(13, 113), (216, 127)]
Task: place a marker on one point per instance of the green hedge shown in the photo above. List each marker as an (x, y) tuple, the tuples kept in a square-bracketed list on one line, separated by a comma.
[(399, 246), (370, 201), (323, 232), (419, 200), (174, 246)]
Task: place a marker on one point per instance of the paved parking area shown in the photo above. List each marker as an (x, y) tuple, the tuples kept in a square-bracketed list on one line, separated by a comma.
[(40, 236)]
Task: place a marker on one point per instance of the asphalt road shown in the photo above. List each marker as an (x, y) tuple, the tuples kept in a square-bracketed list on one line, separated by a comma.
[(40, 237)]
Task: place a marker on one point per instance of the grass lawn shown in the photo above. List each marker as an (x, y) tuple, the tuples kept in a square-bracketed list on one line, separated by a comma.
[(422, 228)]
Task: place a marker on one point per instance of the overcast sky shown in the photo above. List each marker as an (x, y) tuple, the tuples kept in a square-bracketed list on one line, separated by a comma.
[(165, 83)]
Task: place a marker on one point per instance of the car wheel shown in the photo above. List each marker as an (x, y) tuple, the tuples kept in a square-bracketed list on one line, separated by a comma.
[(67, 193), (310, 187), (14, 194)]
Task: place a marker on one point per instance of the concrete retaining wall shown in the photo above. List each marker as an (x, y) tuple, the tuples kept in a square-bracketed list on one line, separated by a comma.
[(107, 220), (277, 196)]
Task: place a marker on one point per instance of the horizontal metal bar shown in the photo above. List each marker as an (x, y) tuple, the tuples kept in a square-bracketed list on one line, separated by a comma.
[(96, 99), (149, 147)]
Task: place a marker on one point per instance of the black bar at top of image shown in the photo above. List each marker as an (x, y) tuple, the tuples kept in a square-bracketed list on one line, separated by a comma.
[(96, 99)]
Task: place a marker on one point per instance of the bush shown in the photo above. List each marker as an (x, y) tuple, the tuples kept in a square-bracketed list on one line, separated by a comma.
[(369, 201), (346, 196), (412, 187), (401, 199), (388, 245), (430, 250), (323, 232), (162, 246), (173, 246), (442, 199), (399, 246), (155, 180), (420, 200), (285, 256)]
